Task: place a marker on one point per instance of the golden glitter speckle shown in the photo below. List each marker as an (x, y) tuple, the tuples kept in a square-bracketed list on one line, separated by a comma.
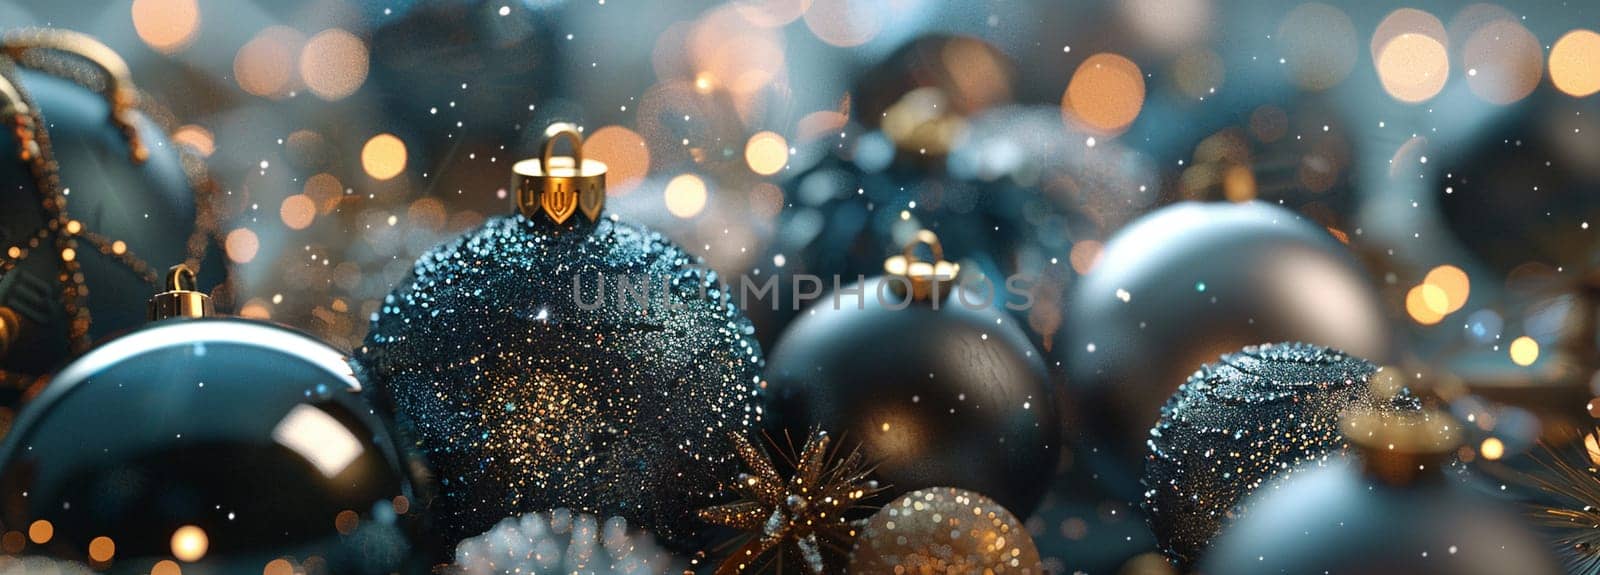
[(945, 530)]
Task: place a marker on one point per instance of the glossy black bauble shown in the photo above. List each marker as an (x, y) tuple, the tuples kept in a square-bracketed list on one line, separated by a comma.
[(223, 444)]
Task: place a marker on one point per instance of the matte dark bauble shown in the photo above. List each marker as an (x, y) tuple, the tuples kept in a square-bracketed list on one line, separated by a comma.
[(530, 382), (116, 214), (1338, 521), (1522, 190), (222, 444), (953, 396), (1185, 284), (842, 221), (1236, 424)]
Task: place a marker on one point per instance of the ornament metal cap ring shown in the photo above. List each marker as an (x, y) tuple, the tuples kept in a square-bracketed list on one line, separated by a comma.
[(560, 186), (181, 298), (926, 279)]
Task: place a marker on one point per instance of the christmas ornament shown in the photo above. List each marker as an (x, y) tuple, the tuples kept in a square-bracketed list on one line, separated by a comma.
[(944, 530), (1567, 480), (1393, 511), (866, 199), (562, 542), (937, 386), (223, 444), (558, 358), (803, 519), (1236, 424), (1186, 284), (90, 190), (1518, 190)]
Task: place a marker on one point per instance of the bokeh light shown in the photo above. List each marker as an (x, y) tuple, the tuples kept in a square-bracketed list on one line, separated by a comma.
[(278, 566), (1413, 67), (1575, 63), (189, 543), (685, 196), (333, 64), (166, 567), (241, 245), (1504, 61), (1105, 94), (1453, 283), (1492, 449), (1407, 21), (1426, 304), (1524, 351), (844, 23), (766, 153), (41, 531), (625, 154), (197, 138), (771, 13), (166, 25), (298, 211), (325, 190), (384, 156), (1168, 25), (1318, 44), (1198, 73), (102, 549), (265, 66)]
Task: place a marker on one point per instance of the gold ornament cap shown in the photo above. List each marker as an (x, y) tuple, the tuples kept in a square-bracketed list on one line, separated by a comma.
[(560, 186), (925, 280), (1401, 448), (181, 298)]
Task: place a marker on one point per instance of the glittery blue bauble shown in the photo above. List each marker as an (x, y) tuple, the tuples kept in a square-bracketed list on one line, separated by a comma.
[(522, 400), (1241, 421)]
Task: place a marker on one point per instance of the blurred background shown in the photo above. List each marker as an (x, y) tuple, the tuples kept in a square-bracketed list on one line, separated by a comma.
[(1450, 145)]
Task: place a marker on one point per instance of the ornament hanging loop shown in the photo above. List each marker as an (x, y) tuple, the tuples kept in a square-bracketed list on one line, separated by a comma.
[(560, 186), (181, 298), (922, 280)]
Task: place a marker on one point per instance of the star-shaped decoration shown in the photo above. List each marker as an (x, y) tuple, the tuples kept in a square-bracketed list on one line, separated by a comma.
[(803, 516)]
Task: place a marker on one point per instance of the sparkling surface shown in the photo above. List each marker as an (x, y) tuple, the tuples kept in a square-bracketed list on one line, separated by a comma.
[(562, 542), (521, 400), (1241, 421), (944, 530)]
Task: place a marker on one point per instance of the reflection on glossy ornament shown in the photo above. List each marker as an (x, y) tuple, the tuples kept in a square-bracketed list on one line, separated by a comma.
[(945, 530), (938, 388), (1392, 510), (221, 444), (563, 358), (1186, 284), (561, 542), (1236, 424)]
